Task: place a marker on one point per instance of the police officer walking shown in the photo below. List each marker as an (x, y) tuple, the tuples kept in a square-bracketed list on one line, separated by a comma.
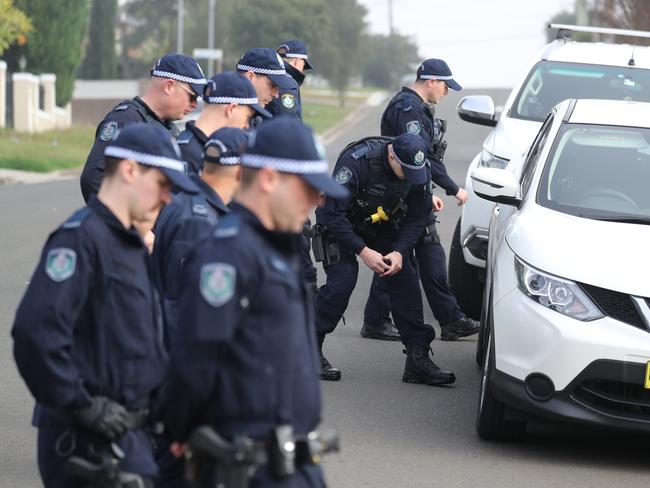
[(410, 111), (296, 61), (265, 69), (247, 362), (177, 81), (230, 101), (88, 331), (389, 204)]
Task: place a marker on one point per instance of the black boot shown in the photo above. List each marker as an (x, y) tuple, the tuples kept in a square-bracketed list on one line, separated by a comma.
[(385, 331), (420, 368), (327, 371), (458, 328)]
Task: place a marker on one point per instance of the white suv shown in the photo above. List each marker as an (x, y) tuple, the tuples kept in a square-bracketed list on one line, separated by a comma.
[(563, 69), (565, 328)]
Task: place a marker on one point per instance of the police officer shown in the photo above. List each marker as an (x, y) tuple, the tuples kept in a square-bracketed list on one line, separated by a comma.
[(87, 333), (177, 81), (408, 112), (247, 362), (265, 69), (296, 61), (191, 217), (230, 101), (389, 205)]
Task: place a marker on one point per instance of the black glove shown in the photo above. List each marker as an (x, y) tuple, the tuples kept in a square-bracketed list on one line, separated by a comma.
[(105, 416)]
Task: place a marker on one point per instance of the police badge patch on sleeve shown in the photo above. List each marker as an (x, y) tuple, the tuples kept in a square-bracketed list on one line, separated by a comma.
[(413, 127), (343, 176), (288, 101), (217, 283), (60, 263), (108, 131)]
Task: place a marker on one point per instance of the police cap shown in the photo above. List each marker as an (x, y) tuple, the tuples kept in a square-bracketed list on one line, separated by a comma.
[(151, 145), (225, 146), (410, 151), (437, 69), (286, 144), (180, 68), (295, 48), (265, 61), (231, 87)]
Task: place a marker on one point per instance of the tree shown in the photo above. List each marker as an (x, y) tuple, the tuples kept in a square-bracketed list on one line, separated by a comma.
[(623, 14), (56, 45), (14, 24), (387, 59), (99, 62), (342, 52)]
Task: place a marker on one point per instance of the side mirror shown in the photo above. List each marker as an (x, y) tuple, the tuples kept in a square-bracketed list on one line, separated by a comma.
[(477, 109), (497, 185)]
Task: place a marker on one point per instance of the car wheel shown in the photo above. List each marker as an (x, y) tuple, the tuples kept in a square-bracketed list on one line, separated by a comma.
[(481, 343), (491, 422), (464, 279)]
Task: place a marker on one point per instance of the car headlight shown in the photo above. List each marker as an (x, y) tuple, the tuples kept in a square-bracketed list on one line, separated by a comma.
[(489, 160), (558, 294)]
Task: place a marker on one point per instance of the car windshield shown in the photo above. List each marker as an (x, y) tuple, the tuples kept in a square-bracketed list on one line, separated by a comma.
[(599, 172), (550, 82)]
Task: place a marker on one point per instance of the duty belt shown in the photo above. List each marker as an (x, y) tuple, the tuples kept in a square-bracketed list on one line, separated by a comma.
[(235, 461)]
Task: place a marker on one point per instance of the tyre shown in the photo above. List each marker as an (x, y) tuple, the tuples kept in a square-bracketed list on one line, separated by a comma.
[(491, 423), (464, 279)]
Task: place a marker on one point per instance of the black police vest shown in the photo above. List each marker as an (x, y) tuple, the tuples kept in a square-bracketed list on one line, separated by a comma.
[(378, 191), (146, 116)]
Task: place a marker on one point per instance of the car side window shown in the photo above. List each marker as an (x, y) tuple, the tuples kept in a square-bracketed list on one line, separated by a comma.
[(533, 155)]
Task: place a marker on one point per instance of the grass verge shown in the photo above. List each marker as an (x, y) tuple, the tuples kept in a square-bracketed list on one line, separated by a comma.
[(322, 117), (46, 151)]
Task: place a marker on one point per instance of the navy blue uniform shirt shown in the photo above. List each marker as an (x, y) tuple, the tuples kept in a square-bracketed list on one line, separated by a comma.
[(191, 142), (180, 225), (90, 324), (287, 103), (247, 359), (125, 113), (357, 175), (406, 112)]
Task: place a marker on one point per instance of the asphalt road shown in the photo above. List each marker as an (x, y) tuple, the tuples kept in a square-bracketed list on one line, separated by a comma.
[(392, 433)]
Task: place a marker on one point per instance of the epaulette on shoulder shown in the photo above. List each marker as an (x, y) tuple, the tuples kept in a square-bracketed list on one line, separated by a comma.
[(227, 227), (184, 138), (76, 219), (121, 108), (199, 207)]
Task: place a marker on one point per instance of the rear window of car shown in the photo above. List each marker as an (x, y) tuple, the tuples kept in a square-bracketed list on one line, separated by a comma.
[(550, 82), (597, 171)]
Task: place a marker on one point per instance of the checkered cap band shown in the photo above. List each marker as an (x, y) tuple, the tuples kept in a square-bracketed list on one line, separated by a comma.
[(238, 101), (402, 163), (295, 55), (435, 77), (262, 71), (296, 166), (175, 76), (230, 160), (144, 158)]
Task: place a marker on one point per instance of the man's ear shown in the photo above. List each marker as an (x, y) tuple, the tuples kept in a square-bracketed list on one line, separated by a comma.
[(168, 87), (268, 179), (250, 75), (230, 108), (127, 170)]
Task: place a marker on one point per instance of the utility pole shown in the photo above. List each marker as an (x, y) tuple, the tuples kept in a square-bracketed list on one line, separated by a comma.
[(179, 26), (390, 18), (211, 21)]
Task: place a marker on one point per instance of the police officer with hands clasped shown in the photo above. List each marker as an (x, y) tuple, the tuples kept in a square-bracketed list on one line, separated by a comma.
[(229, 100), (389, 204), (246, 364), (176, 83), (411, 111), (88, 331)]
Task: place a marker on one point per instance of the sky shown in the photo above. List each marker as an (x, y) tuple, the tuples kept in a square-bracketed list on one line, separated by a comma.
[(486, 43)]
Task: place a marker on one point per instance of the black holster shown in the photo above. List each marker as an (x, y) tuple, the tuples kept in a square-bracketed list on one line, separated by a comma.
[(326, 249), (430, 234)]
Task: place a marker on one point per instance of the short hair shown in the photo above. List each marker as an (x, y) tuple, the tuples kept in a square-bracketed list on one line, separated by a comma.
[(110, 165), (248, 176)]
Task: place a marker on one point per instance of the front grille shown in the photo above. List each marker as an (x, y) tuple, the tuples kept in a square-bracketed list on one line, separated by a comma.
[(616, 305), (615, 398)]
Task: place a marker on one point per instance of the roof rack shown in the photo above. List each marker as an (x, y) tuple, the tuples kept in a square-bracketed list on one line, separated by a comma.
[(565, 30)]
